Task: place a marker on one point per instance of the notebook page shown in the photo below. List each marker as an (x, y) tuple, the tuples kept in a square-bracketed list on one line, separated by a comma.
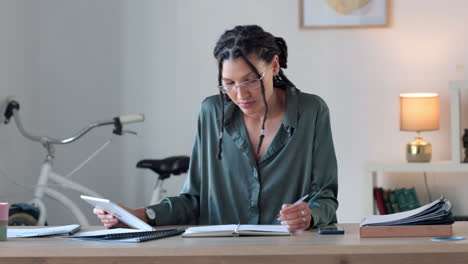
[(264, 228), (211, 228)]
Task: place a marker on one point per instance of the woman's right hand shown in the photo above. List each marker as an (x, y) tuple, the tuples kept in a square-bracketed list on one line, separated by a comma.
[(110, 221)]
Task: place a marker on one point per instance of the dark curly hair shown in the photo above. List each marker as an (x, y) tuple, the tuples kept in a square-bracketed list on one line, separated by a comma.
[(241, 42)]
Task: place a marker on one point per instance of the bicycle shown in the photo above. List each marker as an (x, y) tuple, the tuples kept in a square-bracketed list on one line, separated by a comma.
[(34, 212), (164, 168)]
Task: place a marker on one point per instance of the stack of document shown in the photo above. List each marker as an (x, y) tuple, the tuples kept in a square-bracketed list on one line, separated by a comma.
[(42, 231), (435, 213)]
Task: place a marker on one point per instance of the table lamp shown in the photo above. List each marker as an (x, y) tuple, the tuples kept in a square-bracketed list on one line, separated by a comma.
[(419, 112)]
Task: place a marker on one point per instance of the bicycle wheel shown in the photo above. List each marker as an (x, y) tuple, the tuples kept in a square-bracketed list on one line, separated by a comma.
[(22, 219)]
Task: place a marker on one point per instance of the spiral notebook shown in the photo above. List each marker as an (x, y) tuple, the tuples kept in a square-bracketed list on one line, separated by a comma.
[(125, 235)]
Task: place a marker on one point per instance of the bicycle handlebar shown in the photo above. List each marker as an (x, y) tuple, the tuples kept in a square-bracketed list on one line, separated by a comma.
[(127, 119), (12, 109)]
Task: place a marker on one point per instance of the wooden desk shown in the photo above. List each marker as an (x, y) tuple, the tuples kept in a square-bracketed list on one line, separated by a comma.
[(307, 248)]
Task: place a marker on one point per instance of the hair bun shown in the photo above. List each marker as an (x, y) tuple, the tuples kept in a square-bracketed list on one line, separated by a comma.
[(283, 56)]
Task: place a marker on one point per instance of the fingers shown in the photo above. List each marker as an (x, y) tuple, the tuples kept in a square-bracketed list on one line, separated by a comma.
[(108, 220), (98, 211), (297, 223), (288, 208), (294, 211), (297, 216)]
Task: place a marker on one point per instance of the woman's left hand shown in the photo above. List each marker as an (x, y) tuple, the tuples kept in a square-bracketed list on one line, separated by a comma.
[(296, 216)]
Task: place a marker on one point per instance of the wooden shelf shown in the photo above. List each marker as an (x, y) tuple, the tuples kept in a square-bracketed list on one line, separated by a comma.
[(374, 169), (450, 166), (441, 166), (455, 113)]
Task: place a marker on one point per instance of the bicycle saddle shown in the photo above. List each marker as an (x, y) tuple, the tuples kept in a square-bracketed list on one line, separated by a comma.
[(165, 167)]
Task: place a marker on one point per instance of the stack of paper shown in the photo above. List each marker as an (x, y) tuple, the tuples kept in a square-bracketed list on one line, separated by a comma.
[(435, 213), (42, 231)]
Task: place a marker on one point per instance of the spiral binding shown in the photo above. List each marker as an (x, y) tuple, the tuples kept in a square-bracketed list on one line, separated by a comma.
[(145, 235)]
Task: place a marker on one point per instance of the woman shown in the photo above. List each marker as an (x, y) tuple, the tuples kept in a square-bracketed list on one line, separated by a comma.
[(260, 144)]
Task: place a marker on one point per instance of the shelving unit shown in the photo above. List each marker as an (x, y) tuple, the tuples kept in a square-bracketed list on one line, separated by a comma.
[(373, 170), (456, 131), (376, 169)]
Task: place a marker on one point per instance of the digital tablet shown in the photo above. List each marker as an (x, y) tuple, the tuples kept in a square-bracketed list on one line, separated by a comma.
[(123, 215)]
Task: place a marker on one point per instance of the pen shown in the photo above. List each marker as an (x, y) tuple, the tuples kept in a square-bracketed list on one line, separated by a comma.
[(296, 202)]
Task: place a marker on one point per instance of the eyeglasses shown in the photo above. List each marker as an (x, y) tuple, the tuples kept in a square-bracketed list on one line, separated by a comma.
[(248, 85)]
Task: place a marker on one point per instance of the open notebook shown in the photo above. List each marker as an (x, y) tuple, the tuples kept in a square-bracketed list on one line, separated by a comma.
[(236, 230), (436, 213)]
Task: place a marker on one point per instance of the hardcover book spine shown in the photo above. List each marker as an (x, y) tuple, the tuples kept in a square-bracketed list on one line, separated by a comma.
[(403, 203), (378, 195), (388, 205), (394, 202), (412, 198)]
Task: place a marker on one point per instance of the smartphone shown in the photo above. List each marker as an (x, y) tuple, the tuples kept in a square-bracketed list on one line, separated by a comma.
[(331, 230)]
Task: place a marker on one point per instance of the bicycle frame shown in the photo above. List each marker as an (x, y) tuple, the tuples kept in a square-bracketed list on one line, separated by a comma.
[(41, 188), (47, 174), (158, 191)]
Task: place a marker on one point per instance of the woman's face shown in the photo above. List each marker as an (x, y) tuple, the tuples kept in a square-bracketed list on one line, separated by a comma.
[(248, 97)]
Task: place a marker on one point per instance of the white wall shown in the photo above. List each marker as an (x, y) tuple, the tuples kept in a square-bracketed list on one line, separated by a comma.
[(70, 55), (71, 62), (15, 57)]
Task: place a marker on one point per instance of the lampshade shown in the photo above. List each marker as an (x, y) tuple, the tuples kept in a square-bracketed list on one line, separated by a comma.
[(419, 111)]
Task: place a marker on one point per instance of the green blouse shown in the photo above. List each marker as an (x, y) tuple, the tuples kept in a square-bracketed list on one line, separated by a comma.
[(237, 189)]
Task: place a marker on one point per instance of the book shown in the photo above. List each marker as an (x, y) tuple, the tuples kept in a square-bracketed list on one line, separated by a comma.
[(42, 231), (393, 201), (433, 219), (125, 235), (402, 200), (386, 198), (412, 198), (379, 200), (236, 230), (398, 200)]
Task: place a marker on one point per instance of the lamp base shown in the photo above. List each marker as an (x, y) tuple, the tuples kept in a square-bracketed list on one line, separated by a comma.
[(418, 150)]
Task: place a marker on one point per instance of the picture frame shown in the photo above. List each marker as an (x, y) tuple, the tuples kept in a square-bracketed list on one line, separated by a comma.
[(343, 13)]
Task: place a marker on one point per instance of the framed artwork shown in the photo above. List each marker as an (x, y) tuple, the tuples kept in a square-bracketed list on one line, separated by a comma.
[(342, 13)]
